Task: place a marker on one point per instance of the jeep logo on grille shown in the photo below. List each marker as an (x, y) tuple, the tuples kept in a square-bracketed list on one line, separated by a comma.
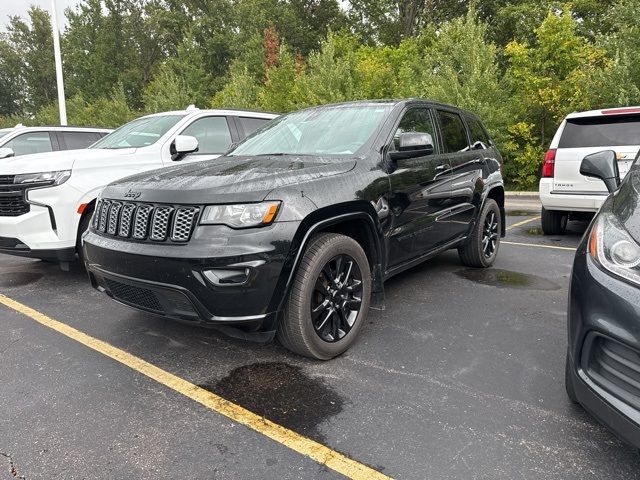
[(132, 194)]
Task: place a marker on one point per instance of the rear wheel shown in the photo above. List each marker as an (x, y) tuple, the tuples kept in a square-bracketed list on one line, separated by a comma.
[(481, 249), (554, 222), (329, 299)]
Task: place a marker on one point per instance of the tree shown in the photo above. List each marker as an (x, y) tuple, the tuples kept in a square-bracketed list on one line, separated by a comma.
[(390, 21), (547, 75), (12, 85), (460, 68), (34, 44), (167, 91)]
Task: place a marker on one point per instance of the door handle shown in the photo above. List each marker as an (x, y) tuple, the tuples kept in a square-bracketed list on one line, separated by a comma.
[(442, 167)]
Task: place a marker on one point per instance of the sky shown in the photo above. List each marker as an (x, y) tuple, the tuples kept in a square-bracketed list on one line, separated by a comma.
[(21, 7)]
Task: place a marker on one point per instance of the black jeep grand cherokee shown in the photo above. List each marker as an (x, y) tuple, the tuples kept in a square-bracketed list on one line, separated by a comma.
[(294, 231)]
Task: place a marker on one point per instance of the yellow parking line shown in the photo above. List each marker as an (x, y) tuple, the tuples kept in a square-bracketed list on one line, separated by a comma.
[(538, 245), (305, 446), (524, 222)]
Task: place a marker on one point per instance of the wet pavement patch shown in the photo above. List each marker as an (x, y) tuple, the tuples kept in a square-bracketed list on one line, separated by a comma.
[(19, 279), (496, 277), (281, 393)]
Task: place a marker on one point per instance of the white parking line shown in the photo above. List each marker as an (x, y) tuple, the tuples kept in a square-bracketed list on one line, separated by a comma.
[(570, 249)]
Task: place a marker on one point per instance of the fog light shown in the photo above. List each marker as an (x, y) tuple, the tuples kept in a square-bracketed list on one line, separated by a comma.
[(220, 276)]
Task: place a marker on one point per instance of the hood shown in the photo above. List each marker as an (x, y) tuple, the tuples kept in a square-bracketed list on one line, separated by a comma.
[(226, 179), (53, 161)]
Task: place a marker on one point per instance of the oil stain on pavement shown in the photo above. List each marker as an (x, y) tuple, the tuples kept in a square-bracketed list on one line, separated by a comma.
[(496, 277), (281, 393)]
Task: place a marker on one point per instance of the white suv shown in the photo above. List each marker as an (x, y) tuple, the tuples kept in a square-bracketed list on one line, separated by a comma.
[(21, 140), (564, 193), (46, 200)]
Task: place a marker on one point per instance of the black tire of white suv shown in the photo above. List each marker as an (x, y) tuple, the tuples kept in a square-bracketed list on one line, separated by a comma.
[(554, 222)]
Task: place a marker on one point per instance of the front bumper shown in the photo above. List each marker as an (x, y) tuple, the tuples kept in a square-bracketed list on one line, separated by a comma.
[(174, 280), (48, 230), (569, 202), (604, 346)]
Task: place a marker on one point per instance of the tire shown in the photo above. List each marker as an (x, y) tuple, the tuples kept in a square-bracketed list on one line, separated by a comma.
[(83, 226), (304, 332), (473, 253), (568, 384), (554, 222)]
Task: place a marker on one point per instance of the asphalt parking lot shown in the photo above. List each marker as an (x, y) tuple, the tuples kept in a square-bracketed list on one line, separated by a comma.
[(462, 376)]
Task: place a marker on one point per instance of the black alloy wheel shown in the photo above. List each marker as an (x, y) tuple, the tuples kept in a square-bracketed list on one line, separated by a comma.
[(481, 248), (490, 234), (329, 298), (337, 298)]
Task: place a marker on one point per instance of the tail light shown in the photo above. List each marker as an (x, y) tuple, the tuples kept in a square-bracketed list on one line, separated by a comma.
[(549, 163)]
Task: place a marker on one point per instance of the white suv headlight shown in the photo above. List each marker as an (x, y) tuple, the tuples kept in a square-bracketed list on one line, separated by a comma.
[(613, 248), (43, 179), (242, 215)]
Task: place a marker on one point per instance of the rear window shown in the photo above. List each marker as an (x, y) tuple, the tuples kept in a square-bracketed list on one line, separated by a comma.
[(606, 131), (78, 140), (250, 125)]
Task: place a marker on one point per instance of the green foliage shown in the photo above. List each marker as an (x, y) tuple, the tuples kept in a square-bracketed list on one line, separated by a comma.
[(460, 68), (167, 91), (556, 74), (524, 156)]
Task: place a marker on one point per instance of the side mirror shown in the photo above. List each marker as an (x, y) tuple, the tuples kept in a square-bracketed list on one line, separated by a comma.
[(602, 165), (183, 145), (412, 145), (7, 152)]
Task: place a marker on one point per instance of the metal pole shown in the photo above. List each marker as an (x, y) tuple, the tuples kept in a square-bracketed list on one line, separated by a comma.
[(56, 50)]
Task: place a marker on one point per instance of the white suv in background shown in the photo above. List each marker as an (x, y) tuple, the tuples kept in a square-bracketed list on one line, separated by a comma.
[(564, 193), (21, 140), (46, 200)]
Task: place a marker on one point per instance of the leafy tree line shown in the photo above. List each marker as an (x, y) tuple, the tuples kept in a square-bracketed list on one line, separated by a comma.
[(522, 65)]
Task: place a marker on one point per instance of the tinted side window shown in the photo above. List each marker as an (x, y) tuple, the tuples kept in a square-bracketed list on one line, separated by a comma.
[(78, 140), (32, 142), (250, 125), (454, 135), (479, 138), (212, 133), (415, 120), (604, 131)]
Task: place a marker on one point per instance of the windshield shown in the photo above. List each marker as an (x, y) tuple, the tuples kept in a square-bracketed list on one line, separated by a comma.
[(332, 130), (141, 132)]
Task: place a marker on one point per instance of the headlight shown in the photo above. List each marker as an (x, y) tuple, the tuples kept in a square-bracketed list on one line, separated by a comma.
[(613, 248), (43, 179), (242, 215)]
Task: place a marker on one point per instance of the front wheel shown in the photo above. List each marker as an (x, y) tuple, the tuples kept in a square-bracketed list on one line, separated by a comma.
[(83, 226), (329, 298), (481, 249)]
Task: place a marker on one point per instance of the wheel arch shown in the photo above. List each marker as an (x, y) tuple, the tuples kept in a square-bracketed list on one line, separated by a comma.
[(87, 211), (353, 219)]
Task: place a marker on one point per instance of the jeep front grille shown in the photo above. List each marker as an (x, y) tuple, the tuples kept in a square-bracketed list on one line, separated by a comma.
[(143, 221)]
